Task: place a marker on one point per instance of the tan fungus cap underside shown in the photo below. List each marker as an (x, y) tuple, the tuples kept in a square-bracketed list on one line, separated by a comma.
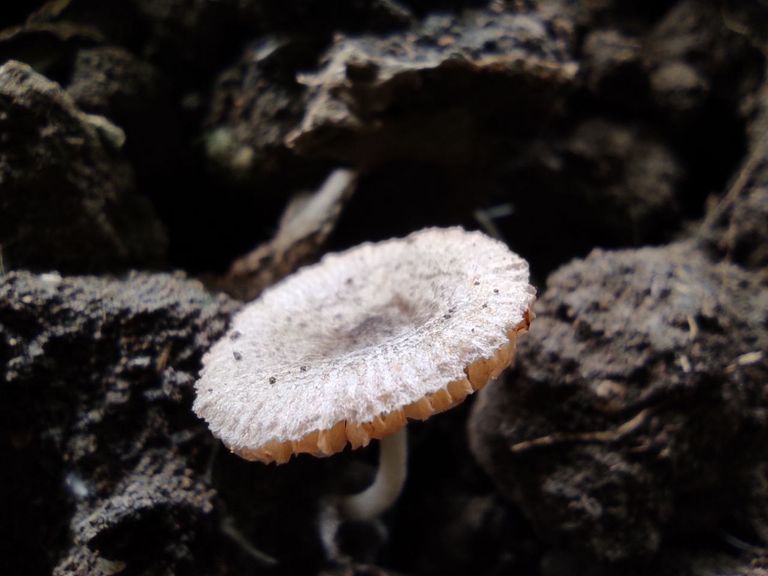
[(350, 348)]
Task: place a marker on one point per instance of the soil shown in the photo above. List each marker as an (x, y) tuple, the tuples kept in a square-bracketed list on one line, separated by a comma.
[(163, 162)]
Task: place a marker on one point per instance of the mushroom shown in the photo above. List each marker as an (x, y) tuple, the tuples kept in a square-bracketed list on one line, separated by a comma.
[(347, 350)]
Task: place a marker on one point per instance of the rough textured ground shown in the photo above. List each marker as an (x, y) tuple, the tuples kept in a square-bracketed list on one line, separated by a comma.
[(98, 443), (68, 199), (641, 383), (186, 134)]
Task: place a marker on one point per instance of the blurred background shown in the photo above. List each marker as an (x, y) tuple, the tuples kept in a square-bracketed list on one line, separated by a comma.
[(161, 162)]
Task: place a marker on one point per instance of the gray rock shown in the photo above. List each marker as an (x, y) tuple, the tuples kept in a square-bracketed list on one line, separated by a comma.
[(254, 105), (695, 53), (637, 411), (66, 192), (600, 183), (443, 91), (99, 439)]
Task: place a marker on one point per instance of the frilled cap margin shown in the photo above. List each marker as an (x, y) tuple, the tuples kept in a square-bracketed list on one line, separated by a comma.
[(349, 348)]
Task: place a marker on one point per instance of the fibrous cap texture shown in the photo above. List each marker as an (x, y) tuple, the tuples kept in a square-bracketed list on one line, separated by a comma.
[(347, 349)]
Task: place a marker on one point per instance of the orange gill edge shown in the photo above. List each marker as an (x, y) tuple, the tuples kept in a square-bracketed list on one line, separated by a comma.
[(323, 443)]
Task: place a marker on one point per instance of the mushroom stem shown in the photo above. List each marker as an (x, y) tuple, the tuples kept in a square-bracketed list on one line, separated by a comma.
[(386, 487)]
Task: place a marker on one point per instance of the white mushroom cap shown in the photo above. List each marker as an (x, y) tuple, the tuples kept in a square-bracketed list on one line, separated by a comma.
[(347, 349)]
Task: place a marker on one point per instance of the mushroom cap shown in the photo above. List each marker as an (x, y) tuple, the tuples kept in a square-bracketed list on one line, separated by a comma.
[(349, 348)]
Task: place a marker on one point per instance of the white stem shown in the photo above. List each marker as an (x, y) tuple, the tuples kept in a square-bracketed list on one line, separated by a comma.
[(386, 487)]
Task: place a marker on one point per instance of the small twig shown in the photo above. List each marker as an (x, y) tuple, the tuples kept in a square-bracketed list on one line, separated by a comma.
[(747, 169), (229, 529), (49, 11), (306, 223), (741, 30), (208, 475), (740, 544), (486, 216), (600, 436)]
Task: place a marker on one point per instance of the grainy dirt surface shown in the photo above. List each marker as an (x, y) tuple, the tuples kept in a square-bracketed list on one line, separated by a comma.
[(654, 346), (66, 185), (154, 153), (98, 441)]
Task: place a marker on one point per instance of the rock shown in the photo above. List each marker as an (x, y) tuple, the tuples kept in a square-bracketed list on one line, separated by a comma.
[(112, 82), (600, 183), (136, 95), (643, 379), (628, 176), (254, 105), (109, 467), (66, 195), (693, 55), (47, 47), (96, 378), (150, 513), (44, 42), (612, 64), (437, 92)]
